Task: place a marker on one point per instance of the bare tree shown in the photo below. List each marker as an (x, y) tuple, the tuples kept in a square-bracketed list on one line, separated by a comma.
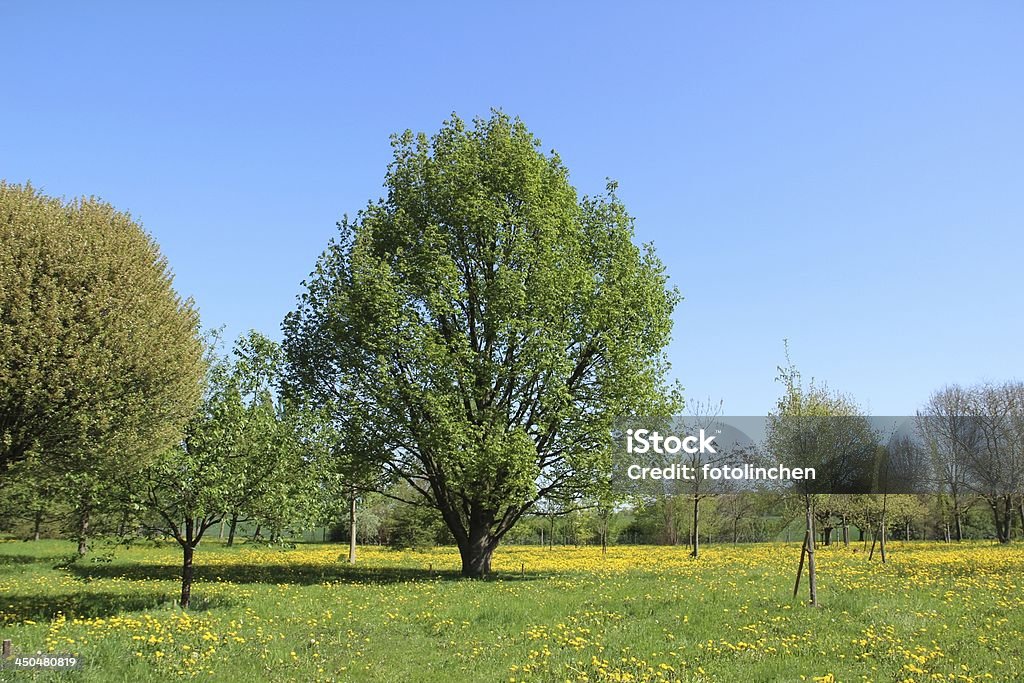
[(948, 428), (994, 463), (705, 416)]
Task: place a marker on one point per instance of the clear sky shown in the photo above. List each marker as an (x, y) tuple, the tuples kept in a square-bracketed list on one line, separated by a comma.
[(846, 175)]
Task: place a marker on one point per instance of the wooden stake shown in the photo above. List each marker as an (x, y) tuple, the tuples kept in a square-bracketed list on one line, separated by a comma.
[(803, 551)]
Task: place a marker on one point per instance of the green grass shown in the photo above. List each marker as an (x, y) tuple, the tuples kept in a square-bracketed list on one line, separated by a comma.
[(934, 612)]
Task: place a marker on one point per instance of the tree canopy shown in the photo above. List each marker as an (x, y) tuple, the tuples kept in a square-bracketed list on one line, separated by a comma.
[(100, 360)]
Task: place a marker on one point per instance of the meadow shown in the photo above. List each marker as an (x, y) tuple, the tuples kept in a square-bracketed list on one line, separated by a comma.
[(935, 612)]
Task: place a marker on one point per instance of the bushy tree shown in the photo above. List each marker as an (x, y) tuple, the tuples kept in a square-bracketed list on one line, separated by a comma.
[(100, 362), (481, 327)]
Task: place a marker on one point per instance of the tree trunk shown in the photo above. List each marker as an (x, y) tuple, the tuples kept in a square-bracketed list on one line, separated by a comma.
[(997, 521), (187, 551), (885, 510), (37, 523), (231, 529), (827, 535), (846, 533), (477, 545), (696, 527), (83, 529), (669, 518), (352, 530), (958, 525), (881, 545), (1007, 517), (605, 516), (220, 530)]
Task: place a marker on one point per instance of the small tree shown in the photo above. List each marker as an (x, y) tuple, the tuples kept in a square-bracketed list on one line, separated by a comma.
[(698, 488), (815, 427), (238, 433)]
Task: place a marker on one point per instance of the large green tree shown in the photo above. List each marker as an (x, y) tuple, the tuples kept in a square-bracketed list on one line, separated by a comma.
[(481, 326), (100, 361)]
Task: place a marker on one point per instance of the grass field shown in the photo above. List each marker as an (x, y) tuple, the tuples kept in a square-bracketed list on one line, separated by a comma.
[(934, 613)]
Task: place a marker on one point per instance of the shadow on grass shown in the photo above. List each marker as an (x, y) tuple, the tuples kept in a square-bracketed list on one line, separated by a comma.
[(291, 573), (90, 604), (11, 560)]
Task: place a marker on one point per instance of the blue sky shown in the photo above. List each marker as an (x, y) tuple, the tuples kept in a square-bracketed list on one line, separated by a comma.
[(849, 176)]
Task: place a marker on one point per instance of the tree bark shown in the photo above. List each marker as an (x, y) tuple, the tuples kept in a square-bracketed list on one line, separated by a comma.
[(696, 527), (37, 523), (881, 544), (997, 521), (477, 546), (83, 529), (231, 529), (605, 515), (187, 552), (669, 519), (1007, 517), (352, 530)]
